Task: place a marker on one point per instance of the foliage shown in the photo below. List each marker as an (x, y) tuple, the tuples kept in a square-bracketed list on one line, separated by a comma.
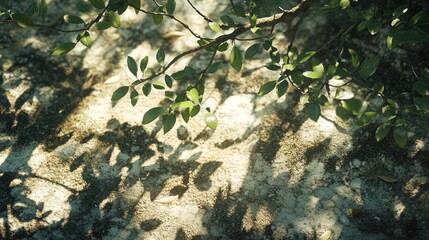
[(402, 25)]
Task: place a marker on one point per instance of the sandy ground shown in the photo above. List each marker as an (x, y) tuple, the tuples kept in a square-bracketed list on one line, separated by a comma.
[(74, 165)]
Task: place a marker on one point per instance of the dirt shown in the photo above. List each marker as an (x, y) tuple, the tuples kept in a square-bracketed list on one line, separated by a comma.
[(74, 165)]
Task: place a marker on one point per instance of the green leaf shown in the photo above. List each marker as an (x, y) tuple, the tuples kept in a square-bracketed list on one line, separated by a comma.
[(408, 36), (195, 110), (168, 81), (136, 4), (22, 20), (289, 66), (102, 25), (344, 4), (223, 47), (42, 8), (215, 26), (151, 115), (296, 76), (179, 75), (132, 65), (368, 67), (400, 135), (317, 72), (353, 105), (114, 19), (236, 59), (421, 87), (355, 58), (99, 4), (31, 10), (389, 41), (389, 112), (134, 97), (157, 18), (214, 67), (168, 122), (149, 72), (143, 63), (342, 113), (282, 88), (362, 25), (227, 20), (273, 67), (373, 26), (63, 48), (367, 118), (211, 121), (267, 87), (252, 51), (395, 22), (158, 85), (193, 95), (147, 88), (84, 7), (302, 58), (73, 19), (382, 131), (170, 6), (120, 93), (422, 104), (85, 39), (340, 94), (313, 110), (400, 10), (186, 104), (416, 17), (239, 10), (275, 56), (186, 114), (393, 103), (160, 55), (268, 44)]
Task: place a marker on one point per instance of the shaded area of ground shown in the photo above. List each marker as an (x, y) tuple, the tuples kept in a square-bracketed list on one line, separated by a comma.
[(74, 167)]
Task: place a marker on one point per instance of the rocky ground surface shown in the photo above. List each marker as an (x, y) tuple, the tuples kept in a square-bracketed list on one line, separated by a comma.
[(73, 165)]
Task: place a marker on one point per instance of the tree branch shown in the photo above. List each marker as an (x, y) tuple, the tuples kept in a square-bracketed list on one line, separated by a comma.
[(199, 13), (303, 6)]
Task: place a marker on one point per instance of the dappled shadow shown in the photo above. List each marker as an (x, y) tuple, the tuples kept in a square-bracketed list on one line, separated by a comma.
[(294, 187)]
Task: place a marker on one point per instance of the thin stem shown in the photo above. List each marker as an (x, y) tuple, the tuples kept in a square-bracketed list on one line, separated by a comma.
[(257, 38), (199, 13), (157, 3), (340, 34), (232, 4), (175, 19), (208, 65), (52, 26), (294, 29)]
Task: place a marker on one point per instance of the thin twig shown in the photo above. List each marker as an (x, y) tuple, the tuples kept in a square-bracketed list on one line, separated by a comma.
[(157, 3), (341, 33), (52, 26), (232, 4), (257, 38), (199, 13), (175, 19), (208, 65), (294, 29)]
